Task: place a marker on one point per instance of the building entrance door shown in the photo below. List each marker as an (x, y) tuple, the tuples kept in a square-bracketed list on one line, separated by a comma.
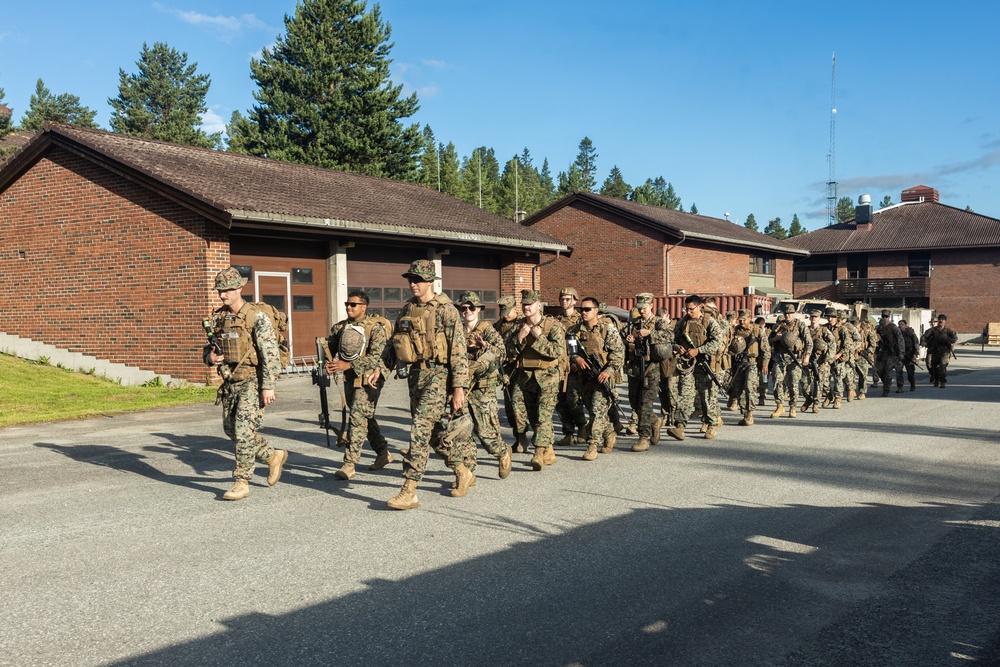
[(275, 289)]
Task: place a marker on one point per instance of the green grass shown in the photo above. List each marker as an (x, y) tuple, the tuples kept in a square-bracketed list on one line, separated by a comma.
[(31, 392)]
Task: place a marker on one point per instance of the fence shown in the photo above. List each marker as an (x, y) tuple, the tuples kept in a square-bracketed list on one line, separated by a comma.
[(674, 303)]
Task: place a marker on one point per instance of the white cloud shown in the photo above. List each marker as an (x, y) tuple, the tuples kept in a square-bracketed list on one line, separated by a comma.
[(226, 27), (436, 64), (213, 122)]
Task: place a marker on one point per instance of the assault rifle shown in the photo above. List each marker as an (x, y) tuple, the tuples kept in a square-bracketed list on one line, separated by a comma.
[(640, 346), (321, 378), (213, 346), (592, 372), (702, 361), (814, 371)]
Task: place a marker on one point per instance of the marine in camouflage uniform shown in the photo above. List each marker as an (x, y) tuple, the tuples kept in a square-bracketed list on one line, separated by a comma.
[(486, 353), (939, 340), (889, 352), (763, 362), (570, 404), (816, 381), (358, 349), (791, 346), (432, 382), (510, 320), (537, 345), (599, 339), (696, 334), (746, 341), (249, 362), (850, 376), (865, 352), (655, 336), (910, 348), (838, 360)]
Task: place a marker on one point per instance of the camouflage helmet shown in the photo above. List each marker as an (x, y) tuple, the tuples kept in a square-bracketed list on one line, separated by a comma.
[(423, 269), (743, 314), (470, 297), (789, 308), (569, 291), (352, 342), (458, 429), (228, 279)]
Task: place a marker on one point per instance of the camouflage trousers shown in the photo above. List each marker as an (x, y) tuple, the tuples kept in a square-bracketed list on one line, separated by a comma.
[(761, 385), (242, 415), (428, 404), (820, 389), (535, 395), (482, 404), (911, 370), (650, 388), (839, 379), (362, 401), (635, 387), (743, 387), (937, 366), (885, 365), (570, 406), (598, 404), (861, 368), (787, 376), (697, 386), (669, 397)]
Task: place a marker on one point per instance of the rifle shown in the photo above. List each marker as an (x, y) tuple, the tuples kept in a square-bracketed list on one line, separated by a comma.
[(640, 346), (592, 372), (814, 371), (213, 346), (702, 360), (321, 377)]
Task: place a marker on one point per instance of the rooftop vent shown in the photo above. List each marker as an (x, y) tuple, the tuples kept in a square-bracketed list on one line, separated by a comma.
[(920, 193), (863, 212)]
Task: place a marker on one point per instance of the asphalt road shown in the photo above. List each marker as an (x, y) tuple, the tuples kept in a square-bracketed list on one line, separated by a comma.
[(863, 536)]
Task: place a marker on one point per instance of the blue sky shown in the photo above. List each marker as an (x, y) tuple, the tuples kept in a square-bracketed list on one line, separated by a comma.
[(729, 101)]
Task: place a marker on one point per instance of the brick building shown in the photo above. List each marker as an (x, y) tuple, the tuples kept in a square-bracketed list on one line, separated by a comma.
[(109, 244), (621, 248), (917, 254)]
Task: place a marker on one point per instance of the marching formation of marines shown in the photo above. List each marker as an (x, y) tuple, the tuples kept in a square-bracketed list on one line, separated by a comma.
[(567, 364)]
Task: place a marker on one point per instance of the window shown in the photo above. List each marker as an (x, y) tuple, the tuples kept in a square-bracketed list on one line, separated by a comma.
[(920, 264), (819, 269), (762, 264), (245, 270), (302, 302), (275, 300), (302, 277), (857, 267)]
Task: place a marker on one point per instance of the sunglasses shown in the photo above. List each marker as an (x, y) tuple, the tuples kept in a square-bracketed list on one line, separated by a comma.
[(466, 309), (587, 309), (353, 304)]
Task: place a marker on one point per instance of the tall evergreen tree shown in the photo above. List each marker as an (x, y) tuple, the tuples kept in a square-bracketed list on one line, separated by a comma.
[(694, 208), (657, 192), (480, 180), (845, 209), (164, 100), (65, 108), (428, 171), (325, 97), (450, 181), (547, 187), (796, 228), (776, 229), (570, 181), (586, 165), (240, 132), (886, 202), (6, 124), (615, 185), (751, 223)]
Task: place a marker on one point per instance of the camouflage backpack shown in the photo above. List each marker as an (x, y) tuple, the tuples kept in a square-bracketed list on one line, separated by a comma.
[(280, 323)]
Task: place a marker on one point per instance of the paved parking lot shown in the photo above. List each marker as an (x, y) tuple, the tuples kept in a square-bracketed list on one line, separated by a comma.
[(866, 535)]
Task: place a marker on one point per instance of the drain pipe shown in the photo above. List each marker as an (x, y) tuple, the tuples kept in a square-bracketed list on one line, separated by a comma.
[(666, 263), (534, 270)]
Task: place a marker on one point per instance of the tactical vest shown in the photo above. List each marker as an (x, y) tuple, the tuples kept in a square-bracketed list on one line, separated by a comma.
[(790, 340), (416, 339), (484, 365), (695, 330), (530, 358), (592, 340), (749, 338), (235, 336), (819, 344)]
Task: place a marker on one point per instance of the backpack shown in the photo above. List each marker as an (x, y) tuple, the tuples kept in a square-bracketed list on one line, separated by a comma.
[(279, 321)]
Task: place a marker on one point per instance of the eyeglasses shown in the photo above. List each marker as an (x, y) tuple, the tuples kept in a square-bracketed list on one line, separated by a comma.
[(353, 304), (466, 309), (566, 298), (587, 309)]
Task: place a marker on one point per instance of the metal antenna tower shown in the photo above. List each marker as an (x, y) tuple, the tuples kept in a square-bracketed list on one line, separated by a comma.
[(831, 183)]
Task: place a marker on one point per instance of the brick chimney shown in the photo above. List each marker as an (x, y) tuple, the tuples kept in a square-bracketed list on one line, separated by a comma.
[(920, 193)]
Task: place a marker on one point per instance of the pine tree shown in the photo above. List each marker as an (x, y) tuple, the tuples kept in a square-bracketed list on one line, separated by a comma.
[(886, 202), (845, 209), (615, 186), (325, 97), (164, 100), (547, 186), (586, 165), (239, 132), (694, 208), (570, 181), (480, 180), (670, 198), (46, 107), (6, 125), (428, 171), (657, 192), (775, 229), (751, 223), (450, 181), (796, 228)]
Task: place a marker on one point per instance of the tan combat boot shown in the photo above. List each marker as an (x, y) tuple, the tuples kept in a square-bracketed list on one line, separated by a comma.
[(861, 396), (346, 471), (850, 395), (632, 428), (836, 403), (677, 432), (704, 427), (549, 456), (711, 431), (642, 445), (654, 437), (406, 499), (815, 409), (778, 411), (566, 440), (731, 406), (240, 490), (538, 459), (791, 410), (464, 478), (583, 434), (591, 453), (382, 459), (505, 464), (826, 403), (521, 445), (610, 440), (274, 466), (747, 419)]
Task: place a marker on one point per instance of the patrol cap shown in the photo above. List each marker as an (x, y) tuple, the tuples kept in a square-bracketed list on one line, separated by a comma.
[(530, 296), (743, 314), (886, 313), (830, 312), (942, 318), (470, 297), (228, 279), (816, 313), (643, 300), (505, 303), (569, 291), (789, 308), (423, 269)]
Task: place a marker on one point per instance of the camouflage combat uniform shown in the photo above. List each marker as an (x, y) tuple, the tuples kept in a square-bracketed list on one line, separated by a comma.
[(570, 404), (745, 347), (536, 380), (242, 413), (890, 346), (362, 399), (605, 343), (505, 328), (839, 360), (484, 365), (694, 383), (939, 341), (824, 347), (661, 337), (864, 359), (910, 348), (788, 361)]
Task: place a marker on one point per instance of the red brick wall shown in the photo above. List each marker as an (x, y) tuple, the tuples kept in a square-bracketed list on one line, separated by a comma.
[(783, 269), (516, 273), (110, 269), (965, 286), (888, 265), (702, 269)]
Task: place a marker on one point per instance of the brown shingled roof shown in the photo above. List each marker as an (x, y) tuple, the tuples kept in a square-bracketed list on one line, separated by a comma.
[(923, 225), (678, 223), (245, 188), (15, 140)]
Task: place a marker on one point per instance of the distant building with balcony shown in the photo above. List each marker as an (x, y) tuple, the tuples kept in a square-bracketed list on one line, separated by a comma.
[(919, 253)]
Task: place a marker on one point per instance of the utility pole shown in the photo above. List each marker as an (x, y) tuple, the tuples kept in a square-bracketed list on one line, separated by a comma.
[(831, 183)]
